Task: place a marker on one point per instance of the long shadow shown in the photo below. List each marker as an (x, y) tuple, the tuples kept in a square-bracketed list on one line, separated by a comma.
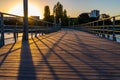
[(47, 62), (99, 70), (45, 36), (91, 55), (6, 54), (81, 76), (85, 49), (26, 68), (48, 54)]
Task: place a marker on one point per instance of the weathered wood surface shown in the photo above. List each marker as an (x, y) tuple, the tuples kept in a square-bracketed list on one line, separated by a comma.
[(63, 55)]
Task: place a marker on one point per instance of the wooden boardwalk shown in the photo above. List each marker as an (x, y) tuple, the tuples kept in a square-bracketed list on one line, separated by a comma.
[(63, 55)]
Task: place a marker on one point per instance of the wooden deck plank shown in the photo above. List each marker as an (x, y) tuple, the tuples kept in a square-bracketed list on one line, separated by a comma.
[(64, 55)]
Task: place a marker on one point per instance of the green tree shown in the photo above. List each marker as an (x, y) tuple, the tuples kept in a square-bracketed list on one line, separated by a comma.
[(47, 13), (107, 21), (83, 18), (65, 18), (64, 13), (58, 11), (12, 21)]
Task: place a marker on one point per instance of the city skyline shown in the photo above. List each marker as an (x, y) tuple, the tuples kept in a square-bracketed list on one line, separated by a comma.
[(73, 7)]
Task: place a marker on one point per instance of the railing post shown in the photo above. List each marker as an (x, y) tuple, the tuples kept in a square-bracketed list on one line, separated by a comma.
[(114, 38), (103, 32), (2, 30), (17, 31), (97, 32), (88, 28), (93, 26), (15, 35)]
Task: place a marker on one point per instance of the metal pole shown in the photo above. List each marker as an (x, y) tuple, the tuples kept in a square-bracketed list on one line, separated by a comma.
[(103, 31), (2, 30), (15, 33), (25, 31), (114, 38), (97, 32)]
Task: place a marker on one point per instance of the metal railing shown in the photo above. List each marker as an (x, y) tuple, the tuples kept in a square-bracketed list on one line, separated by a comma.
[(13, 24), (106, 27)]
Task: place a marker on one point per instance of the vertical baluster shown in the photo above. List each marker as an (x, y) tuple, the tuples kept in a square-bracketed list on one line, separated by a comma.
[(35, 29), (2, 30), (97, 32), (15, 35), (93, 26), (114, 38), (103, 31)]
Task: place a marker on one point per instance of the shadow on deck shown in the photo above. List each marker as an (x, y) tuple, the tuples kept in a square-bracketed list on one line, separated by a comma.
[(64, 55)]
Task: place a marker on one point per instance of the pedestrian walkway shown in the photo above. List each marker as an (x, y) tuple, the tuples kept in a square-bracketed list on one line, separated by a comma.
[(64, 55)]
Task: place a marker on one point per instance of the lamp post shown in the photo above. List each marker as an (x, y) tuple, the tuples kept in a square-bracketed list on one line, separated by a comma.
[(25, 19)]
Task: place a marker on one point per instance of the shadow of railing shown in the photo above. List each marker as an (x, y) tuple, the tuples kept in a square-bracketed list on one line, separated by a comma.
[(6, 55), (98, 69), (51, 51), (27, 68)]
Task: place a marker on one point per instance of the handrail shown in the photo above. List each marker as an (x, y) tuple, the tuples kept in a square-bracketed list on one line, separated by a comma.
[(100, 28), (34, 29), (10, 14), (101, 20), (29, 17)]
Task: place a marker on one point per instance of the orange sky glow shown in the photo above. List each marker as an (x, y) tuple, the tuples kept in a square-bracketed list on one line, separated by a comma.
[(73, 7)]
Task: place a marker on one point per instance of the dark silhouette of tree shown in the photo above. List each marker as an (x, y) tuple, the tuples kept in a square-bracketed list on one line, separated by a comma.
[(65, 18), (58, 12), (12, 22), (83, 18), (51, 18), (104, 16), (47, 13), (65, 13), (117, 22), (93, 19)]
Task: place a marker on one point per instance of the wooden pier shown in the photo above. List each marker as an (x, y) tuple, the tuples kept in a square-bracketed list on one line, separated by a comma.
[(64, 55)]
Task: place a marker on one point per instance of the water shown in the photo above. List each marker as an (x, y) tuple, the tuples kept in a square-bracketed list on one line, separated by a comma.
[(9, 37), (111, 37)]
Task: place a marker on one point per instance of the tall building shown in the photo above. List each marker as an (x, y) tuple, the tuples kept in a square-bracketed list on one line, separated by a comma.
[(95, 13)]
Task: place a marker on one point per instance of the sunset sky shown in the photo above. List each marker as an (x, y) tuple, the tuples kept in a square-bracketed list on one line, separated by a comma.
[(73, 7)]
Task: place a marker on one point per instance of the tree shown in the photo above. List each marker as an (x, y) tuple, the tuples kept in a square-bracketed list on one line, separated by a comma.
[(64, 13), (103, 16), (65, 18), (93, 19), (83, 18), (12, 21), (58, 11), (107, 21), (47, 13), (52, 18)]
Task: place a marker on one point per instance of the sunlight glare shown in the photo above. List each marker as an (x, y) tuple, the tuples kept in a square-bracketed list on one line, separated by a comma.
[(32, 10)]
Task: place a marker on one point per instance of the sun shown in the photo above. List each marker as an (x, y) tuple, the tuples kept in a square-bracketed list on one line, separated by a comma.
[(32, 10)]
